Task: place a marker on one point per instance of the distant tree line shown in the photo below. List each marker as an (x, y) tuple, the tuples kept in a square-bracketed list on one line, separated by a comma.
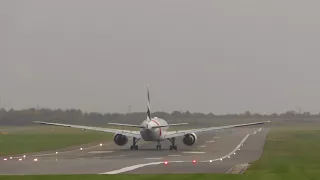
[(73, 116)]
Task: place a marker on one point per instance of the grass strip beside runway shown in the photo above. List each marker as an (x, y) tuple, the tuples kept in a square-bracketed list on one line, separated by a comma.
[(35, 139), (290, 151)]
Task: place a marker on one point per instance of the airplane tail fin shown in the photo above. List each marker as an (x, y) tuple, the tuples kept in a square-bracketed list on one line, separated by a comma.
[(148, 107)]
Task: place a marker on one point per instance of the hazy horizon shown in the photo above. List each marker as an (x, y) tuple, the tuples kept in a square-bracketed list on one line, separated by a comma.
[(201, 56)]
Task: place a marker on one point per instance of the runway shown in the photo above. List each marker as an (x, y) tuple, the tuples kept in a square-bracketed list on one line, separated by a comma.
[(215, 152)]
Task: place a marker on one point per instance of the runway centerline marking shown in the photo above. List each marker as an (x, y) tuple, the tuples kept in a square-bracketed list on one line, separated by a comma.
[(210, 141), (202, 146), (193, 152), (99, 152), (153, 158), (130, 168), (175, 155)]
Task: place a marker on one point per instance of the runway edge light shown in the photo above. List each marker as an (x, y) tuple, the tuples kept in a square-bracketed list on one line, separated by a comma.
[(165, 162), (194, 161)]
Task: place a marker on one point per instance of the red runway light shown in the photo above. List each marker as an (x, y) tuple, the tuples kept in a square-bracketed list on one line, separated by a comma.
[(194, 161), (166, 162)]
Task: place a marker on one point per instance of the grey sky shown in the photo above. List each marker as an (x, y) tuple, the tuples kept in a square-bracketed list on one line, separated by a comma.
[(205, 56)]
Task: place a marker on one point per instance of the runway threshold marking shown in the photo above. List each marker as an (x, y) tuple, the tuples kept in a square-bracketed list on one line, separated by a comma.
[(130, 168)]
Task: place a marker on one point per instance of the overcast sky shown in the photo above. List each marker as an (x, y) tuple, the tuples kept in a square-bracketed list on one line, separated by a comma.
[(205, 56)]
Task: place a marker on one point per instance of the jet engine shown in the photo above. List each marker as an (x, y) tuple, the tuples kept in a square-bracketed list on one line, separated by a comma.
[(189, 139), (120, 139)]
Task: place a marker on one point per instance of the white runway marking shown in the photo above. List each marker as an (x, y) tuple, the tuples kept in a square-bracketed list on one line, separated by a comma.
[(210, 141), (255, 132), (153, 158), (216, 137), (98, 152), (232, 152), (130, 168), (202, 146), (175, 155), (115, 156), (193, 152)]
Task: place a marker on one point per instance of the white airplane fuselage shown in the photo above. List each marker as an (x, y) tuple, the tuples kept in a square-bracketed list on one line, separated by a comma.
[(152, 131)]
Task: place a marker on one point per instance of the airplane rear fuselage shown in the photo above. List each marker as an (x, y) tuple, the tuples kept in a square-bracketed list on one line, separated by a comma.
[(152, 131)]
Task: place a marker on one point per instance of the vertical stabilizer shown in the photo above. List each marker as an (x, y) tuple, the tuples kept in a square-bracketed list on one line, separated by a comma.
[(148, 108)]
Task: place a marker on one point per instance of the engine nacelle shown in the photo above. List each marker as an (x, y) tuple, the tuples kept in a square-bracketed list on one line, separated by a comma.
[(120, 139), (189, 139)]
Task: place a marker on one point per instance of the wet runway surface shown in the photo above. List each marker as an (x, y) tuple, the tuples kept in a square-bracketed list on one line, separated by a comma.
[(214, 152)]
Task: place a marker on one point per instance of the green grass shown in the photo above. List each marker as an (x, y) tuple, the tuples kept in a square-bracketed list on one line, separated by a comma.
[(292, 154), (42, 138), (290, 151)]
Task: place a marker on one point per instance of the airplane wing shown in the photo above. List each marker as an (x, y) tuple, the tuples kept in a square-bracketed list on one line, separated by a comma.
[(201, 130), (127, 125), (128, 133)]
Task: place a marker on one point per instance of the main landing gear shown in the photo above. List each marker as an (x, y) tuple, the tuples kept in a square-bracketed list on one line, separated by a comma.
[(158, 145), (134, 146), (173, 146)]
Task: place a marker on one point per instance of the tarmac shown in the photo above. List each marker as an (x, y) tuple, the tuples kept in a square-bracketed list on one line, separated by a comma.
[(214, 152)]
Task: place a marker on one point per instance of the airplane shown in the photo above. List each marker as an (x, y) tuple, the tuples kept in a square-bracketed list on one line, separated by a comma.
[(152, 129)]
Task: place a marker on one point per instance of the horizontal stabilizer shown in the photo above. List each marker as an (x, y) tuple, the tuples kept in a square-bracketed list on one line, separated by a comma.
[(127, 125)]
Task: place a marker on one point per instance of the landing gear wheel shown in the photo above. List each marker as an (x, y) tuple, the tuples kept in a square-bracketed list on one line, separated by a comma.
[(132, 147), (173, 147), (158, 146)]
